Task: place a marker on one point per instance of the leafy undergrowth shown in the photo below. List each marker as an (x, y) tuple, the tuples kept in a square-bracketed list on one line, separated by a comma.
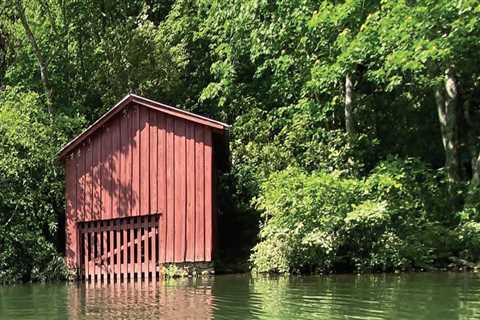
[(395, 219)]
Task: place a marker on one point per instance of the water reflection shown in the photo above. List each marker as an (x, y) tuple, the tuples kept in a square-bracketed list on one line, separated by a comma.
[(170, 299), (409, 296)]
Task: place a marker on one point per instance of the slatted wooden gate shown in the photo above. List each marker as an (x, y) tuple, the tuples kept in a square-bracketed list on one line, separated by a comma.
[(119, 249)]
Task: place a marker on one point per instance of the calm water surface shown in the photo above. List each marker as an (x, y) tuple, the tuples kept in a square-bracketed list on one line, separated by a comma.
[(406, 296)]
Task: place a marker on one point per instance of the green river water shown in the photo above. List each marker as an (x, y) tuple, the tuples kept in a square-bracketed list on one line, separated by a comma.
[(394, 296)]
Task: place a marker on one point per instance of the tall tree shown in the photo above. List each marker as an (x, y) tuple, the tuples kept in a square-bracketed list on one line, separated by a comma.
[(42, 61), (447, 108), (349, 116)]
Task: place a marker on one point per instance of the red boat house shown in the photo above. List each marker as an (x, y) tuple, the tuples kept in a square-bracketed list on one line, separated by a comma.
[(140, 187)]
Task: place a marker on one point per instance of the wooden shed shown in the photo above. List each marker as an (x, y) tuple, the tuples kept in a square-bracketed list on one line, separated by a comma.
[(140, 190)]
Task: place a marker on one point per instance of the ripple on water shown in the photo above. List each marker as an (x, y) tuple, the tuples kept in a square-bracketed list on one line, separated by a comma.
[(405, 296)]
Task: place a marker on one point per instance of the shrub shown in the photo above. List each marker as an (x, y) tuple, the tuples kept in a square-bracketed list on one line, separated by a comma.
[(321, 221), (31, 196), (303, 214), (468, 229)]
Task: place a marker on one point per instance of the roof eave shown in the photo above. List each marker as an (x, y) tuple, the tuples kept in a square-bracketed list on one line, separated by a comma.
[(132, 98)]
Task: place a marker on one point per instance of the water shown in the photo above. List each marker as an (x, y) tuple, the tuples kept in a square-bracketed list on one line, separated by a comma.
[(406, 296)]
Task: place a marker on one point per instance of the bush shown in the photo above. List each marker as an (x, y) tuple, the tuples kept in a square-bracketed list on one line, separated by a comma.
[(320, 221), (31, 200), (302, 214), (468, 230)]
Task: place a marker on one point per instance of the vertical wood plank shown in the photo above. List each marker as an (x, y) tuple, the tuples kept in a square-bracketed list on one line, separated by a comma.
[(96, 200), (106, 265), (106, 175), (144, 161), (139, 248), (208, 196), (112, 251), (80, 191), (99, 249), (116, 167), (92, 265), (125, 249), (169, 224), (153, 226), (88, 182), (81, 271), (162, 186), (86, 251), (94, 250), (103, 171), (199, 194), (128, 164), (135, 145), (71, 240), (146, 261), (190, 177), (123, 183), (180, 188), (118, 248), (153, 136), (132, 249)]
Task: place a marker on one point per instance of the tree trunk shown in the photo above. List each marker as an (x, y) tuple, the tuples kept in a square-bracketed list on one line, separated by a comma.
[(36, 50), (349, 118), (446, 99), (3, 58), (476, 170), (473, 142)]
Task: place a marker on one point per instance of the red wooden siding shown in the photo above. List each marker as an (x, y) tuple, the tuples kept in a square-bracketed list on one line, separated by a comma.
[(162, 184), (142, 162), (71, 200), (207, 190), (190, 177), (179, 182), (199, 194), (135, 142)]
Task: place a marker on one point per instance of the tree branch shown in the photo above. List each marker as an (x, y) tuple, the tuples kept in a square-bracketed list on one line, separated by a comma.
[(349, 121), (36, 50)]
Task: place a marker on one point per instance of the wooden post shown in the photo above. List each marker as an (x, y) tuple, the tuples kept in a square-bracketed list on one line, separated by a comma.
[(139, 249), (85, 251), (105, 251), (119, 251), (132, 249), (92, 266), (125, 250), (112, 251), (146, 260), (153, 225), (99, 251)]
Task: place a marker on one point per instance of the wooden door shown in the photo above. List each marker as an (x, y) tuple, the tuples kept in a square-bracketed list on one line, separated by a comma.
[(119, 249)]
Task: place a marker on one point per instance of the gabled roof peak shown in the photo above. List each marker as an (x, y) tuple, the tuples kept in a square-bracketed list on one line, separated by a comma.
[(135, 99)]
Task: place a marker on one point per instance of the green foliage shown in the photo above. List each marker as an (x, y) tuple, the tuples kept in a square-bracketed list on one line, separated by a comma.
[(276, 72), (31, 187), (302, 213), (321, 221), (468, 229), (172, 271)]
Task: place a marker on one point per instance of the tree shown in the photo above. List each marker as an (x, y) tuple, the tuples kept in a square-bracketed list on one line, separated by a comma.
[(42, 62)]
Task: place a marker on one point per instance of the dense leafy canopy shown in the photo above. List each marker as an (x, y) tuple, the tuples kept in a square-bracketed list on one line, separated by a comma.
[(354, 139)]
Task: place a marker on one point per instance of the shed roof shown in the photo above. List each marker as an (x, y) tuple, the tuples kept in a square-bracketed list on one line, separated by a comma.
[(134, 99)]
